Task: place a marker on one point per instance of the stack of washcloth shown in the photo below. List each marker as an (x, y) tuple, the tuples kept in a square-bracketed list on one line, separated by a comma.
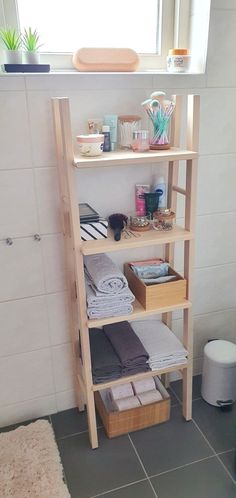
[(162, 345), (106, 287), (106, 365), (128, 347), (152, 271)]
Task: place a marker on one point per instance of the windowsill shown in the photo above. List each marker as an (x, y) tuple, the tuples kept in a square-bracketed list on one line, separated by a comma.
[(67, 72)]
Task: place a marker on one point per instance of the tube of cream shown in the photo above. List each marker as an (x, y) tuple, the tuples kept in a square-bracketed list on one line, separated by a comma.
[(111, 120), (140, 205)]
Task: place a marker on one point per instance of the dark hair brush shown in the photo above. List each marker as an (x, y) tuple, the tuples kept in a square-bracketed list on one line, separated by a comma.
[(117, 223)]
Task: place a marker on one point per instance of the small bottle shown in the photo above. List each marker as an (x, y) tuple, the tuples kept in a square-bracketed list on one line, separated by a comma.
[(160, 188), (107, 138)]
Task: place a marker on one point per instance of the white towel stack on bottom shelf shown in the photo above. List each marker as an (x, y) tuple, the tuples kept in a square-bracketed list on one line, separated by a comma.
[(163, 347)]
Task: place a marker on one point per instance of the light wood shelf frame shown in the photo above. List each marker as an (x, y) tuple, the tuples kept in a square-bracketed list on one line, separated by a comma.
[(75, 249)]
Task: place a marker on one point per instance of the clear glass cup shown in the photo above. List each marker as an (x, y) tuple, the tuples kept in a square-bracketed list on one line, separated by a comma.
[(127, 125)]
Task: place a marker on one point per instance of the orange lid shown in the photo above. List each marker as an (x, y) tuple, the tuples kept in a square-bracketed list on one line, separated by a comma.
[(178, 51)]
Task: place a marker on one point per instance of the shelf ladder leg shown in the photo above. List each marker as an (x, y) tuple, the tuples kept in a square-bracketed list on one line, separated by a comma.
[(190, 215)]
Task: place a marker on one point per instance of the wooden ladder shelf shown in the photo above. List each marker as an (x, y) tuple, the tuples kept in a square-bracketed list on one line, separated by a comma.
[(75, 249)]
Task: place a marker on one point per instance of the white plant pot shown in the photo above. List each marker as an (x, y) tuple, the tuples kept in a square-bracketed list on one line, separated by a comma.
[(13, 57), (32, 57)]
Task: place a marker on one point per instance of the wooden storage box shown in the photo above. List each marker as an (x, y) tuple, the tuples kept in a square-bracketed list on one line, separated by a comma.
[(122, 422), (156, 295)]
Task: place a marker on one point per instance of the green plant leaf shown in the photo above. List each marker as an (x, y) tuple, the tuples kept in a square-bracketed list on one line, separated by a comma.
[(30, 40), (10, 38)]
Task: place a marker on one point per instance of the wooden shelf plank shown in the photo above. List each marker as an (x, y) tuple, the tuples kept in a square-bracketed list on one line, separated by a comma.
[(122, 158), (144, 375), (151, 237), (139, 312)]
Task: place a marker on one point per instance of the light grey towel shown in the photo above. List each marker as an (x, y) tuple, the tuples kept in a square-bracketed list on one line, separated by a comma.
[(106, 312), (105, 275), (100, 300), (163, 347)]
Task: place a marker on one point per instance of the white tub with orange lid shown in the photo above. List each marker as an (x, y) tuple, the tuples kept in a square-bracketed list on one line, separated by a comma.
[(90, 145), (178, 60)]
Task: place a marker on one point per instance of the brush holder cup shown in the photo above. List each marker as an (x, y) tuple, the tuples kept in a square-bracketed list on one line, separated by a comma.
[(127, 125), (159, 111)]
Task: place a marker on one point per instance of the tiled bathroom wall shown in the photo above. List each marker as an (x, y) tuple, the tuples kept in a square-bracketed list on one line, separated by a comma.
[(35, 358)]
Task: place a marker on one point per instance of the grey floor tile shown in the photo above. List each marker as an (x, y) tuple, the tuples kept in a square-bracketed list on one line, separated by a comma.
[(69, 422), (26, 422), (173, 400), (229, 460), (139, 490), (171, 444), (177, 387), (218, 426), (90, 472), (206, 479)]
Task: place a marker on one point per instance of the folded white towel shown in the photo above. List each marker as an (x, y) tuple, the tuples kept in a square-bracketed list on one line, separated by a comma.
[(163, 347), (149, 397), (126, 403), (141, 386), (106, 312), (121, 391), (105, 274), (97, 299)]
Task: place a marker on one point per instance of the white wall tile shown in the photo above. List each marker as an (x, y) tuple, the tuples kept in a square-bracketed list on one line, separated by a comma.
[(216, 187), (26, 376), (62, 367), (48, 201), (220, 70), (212, 232), (218, 125), (18, 215), (58, 314), (21, 269), (85, 81), (12, 83), (217, 325), (214, 289), (54, 262), (14, 137), (23, 325), (66, 400), (31, 409), (223, 4)]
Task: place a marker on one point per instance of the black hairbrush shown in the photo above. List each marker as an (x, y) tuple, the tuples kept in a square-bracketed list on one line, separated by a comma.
[(117, 223)]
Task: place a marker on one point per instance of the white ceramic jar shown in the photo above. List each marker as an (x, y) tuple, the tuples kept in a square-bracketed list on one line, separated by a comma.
[(178, 60), (90, 145)]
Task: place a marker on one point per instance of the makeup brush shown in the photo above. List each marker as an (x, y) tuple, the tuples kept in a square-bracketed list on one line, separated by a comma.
[(117, 223)]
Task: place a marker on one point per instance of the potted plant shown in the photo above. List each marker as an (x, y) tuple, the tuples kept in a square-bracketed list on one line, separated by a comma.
[(12, 44), (30, 41)]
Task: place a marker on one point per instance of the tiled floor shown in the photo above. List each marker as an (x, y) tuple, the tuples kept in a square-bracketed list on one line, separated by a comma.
[(176, 459)]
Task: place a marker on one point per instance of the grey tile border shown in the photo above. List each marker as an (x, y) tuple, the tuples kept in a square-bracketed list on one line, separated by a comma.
[(132, 490), (170, 445), (228, 458), (204, 478), (91, 472)]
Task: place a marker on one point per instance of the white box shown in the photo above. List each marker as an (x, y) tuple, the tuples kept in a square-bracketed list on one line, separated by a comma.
[(94, 230)]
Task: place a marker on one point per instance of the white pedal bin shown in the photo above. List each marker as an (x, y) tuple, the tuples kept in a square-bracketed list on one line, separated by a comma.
[(219, 373)]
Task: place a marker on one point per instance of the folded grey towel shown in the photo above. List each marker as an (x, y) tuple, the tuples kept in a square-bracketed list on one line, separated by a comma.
[(105, 274), (128, 346), (101, 300), (105, 362)]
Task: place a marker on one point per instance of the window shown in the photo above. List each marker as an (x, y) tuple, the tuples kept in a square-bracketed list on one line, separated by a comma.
[(150, 27)]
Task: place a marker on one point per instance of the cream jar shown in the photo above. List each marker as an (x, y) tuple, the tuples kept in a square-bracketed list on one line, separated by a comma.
[(90, 145), (178, 60)]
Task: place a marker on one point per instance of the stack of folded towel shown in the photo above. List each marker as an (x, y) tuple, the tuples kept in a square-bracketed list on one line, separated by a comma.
[(116, 351), (134, 394), (106, 287), (130, 350), (106, 365), (162, 345)]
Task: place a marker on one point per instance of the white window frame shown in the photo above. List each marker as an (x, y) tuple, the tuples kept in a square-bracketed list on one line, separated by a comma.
[(174, 15)]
